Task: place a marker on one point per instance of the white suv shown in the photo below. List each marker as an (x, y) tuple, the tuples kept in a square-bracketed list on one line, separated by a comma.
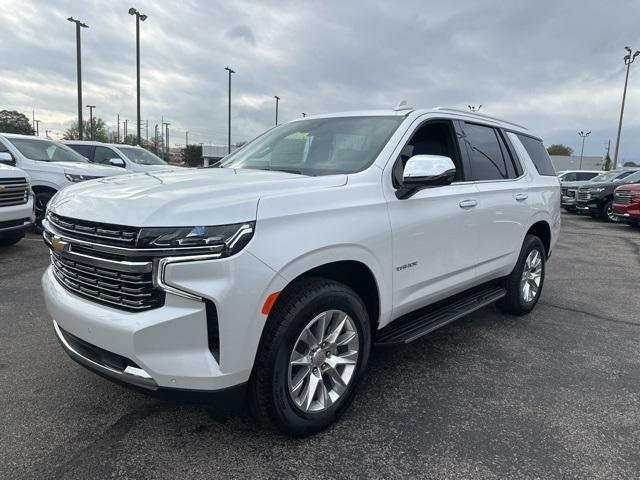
[(133, 158), (50, 165), (16, 203), (273, 276)]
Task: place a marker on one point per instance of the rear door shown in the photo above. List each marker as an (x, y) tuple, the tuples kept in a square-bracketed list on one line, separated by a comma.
[(503, 210)]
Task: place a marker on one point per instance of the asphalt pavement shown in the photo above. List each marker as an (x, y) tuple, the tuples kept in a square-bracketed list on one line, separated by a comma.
[(555, 394)]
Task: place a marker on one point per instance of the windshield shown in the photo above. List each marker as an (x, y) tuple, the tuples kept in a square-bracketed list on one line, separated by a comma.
[(624, 176), (46, 150), (141, 156), (633, 178), (323, 146), (605, 177)]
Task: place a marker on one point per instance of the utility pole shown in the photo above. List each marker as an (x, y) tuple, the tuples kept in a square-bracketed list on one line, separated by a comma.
[(79, 25), (139, 17), (146, 131), (304, 114), (229, 115), (277, 100), (46, 133), (33, 120), (167, 147), (186, 138), (126, 123), (628, 60), (118, 140), (37, 127), (91, 107), (583, 135)]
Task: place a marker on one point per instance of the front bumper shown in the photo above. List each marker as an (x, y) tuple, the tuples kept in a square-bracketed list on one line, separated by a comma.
[(593, 205), (168, 346), (627, 213), (16, 217)]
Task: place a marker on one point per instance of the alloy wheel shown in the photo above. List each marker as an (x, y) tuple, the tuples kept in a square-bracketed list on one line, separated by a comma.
[(323, 361), (531, 276)]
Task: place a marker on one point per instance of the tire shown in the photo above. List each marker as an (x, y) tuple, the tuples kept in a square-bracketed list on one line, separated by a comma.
[(40, 201), (570, 209), (514, 301), (271, 398), (7, 240), (607, 213)]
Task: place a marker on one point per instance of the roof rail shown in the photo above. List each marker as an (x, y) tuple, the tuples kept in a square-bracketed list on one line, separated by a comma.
[(480, 115)]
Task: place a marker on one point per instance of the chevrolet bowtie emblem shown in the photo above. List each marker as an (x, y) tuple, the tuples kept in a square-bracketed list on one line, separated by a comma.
[(58, 244)]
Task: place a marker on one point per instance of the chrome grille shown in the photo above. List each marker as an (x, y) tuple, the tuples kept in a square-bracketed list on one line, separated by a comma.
[(583, 195), (13, 191), (100, 233), (132, 291), (623, 198)]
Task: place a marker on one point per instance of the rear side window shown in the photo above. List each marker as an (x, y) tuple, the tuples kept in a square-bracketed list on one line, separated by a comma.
[(585, 175), (490, 158), (538, 154), (84, 150)]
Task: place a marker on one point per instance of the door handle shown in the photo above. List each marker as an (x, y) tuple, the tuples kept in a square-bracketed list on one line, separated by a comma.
[(521, 196), (468, 203)]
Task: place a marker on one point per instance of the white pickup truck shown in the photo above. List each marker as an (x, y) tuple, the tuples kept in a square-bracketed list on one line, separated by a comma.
[(272, 277)]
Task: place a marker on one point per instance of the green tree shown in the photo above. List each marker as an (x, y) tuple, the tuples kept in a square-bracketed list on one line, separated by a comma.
[(630, 164), (15, 122), (193, 156), (559, 149), (607, 163), (100, 131)]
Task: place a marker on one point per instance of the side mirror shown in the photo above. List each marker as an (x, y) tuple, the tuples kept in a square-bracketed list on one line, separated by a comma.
[(423, 171), (117, 162), (7, 158)]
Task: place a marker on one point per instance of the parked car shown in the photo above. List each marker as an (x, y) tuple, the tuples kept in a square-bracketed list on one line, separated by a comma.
[(596, 196), (271, 277), (16, 203), (50, 165), (626, 201), (133, 158), (570, 180)]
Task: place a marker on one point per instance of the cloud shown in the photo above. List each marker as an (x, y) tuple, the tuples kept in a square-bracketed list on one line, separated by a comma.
[(553, 66), (242, 32)]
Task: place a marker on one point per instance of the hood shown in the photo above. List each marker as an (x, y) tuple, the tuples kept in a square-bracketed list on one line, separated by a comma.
[(187, 197), (7, 171), (89, 169), (589, 185), (631, 187)]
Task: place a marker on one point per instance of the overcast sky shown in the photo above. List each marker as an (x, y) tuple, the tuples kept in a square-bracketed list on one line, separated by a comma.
[(554, 66)]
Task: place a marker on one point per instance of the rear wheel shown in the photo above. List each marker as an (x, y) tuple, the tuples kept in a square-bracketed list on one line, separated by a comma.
[(313, 353), (524, 285)]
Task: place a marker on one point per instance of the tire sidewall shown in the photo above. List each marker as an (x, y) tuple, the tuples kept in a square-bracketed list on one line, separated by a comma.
[(301, 423), (531, 242)]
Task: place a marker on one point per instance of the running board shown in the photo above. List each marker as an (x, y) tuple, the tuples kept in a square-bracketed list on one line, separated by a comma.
[(403, 331)]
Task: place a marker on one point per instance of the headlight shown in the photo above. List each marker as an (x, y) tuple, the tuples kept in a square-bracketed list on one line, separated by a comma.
[(596, 190), (72, 177), (226, 240)]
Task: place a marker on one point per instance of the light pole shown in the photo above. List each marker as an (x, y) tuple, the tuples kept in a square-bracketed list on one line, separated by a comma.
[(474, 109), (229, 115), (79, 25), (124, 138), (118, 140), (277, 101), (37, 127), (584, 136), (167, 148), (139, 17), (186, 138), (91, 107), (628, 60)]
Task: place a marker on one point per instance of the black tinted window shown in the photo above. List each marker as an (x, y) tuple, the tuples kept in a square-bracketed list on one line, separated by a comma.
[(84, 150), (488, 161), (569, 177), (538, 154), (103, 155), (585, 175)]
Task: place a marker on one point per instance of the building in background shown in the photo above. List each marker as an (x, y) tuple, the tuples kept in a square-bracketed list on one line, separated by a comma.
[(572, 162), (214, 153)]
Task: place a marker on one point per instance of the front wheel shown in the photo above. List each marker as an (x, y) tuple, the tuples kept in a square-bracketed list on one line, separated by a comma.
[(608, 213), (40, 201), (313, 353), (524, 285)]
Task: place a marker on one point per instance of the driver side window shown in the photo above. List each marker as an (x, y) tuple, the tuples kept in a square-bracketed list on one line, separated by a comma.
[(103, 155), (432, 138)]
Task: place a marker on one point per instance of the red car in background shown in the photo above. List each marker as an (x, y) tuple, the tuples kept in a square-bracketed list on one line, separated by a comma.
[(626, 203)]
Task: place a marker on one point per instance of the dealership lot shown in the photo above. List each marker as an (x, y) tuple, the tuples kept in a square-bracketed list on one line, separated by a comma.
[(553, 394)]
